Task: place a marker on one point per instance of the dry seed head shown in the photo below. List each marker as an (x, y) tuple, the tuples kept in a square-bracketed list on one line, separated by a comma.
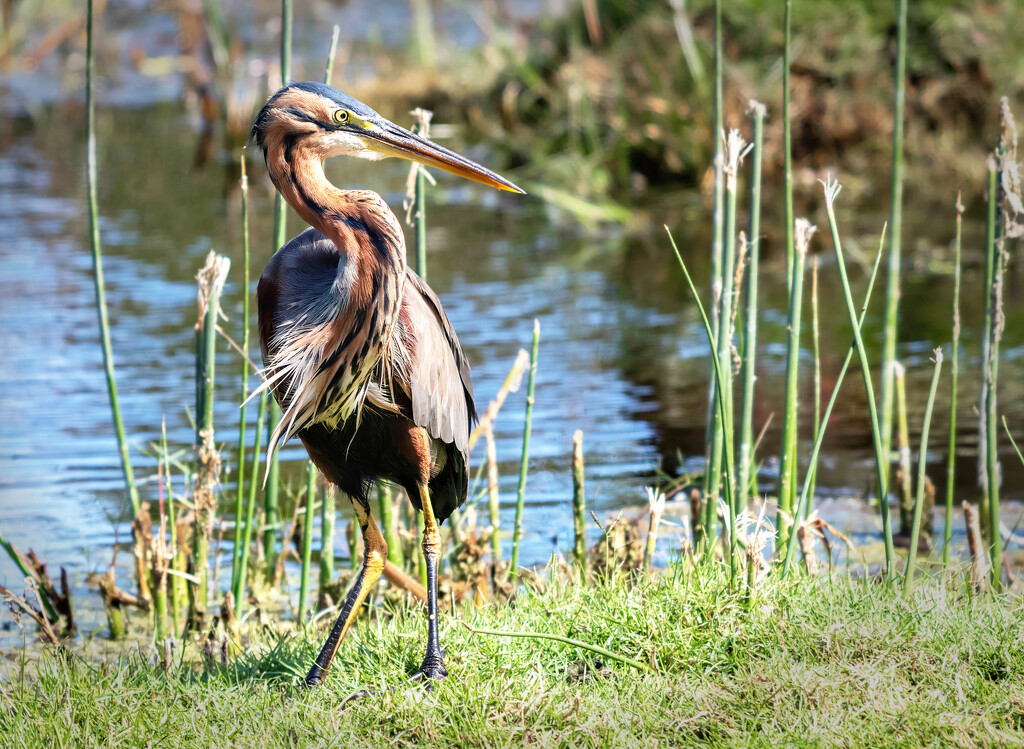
[(832, 188), (803, 231), (937, 359), (756, 107), (735, 149)]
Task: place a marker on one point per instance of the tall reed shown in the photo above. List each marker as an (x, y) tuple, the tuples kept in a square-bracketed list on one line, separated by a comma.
[(307, 544), (422, 127), (947, 533), (272, 490), (327, 513), (579, 508), (236, 556), (176, 581), (892, 291), (250, 507), (803, 504), (97, 269), (802, 232), (724, 415), (493, 499), (787, 143), (524, 459), (994, 321), (922, 460), (905, 490), (388, 521), (746, 457), (713, 430), (816, 350), (207, 460), (831, 191)]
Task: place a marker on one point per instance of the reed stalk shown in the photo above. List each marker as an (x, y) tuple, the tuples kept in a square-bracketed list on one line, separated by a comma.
[(176, 592), (327, 511), (422, 127), (785, 518), (423, 27), (329, 68), (525, 457), (207, 460), (994, 322), (803, 503), (386, 505), (831, 191), (493, 499), (656, 507), (746, 458), (511, 385), (352, 536), (947, 533), (307, 544), (579, 509), (272, 484), (97, 270), (250, 507), (922, 459), (236, 555), (787, 145), (906, 489), (892, 291), (724, 415), (816, 350), (713, 430)]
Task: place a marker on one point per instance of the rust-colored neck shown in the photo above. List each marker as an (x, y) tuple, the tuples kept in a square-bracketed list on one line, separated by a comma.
[(358, 222)]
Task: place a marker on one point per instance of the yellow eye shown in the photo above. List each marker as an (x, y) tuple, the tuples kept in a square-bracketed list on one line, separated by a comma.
[(341, 116)]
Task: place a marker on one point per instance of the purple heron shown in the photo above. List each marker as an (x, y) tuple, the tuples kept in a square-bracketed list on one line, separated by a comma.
[(357, 349)]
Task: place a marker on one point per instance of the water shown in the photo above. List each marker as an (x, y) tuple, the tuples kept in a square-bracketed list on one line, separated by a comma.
[(623, 356)]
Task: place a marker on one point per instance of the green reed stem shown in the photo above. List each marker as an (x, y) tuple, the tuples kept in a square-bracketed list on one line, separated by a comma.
[(788, 469), (801, 509), (579, 508), (327, 512), (724, 415), (211, 285), (307, 543), (250, 507), (564, 640), (272, 491), (713, 429), (352, 535), (922, 458), (329, 69), (386, 504), (994, 266), (892, 291), (746, 459), (831, 190), (175, 580), (787, 146), (905, 488), (236, 555), (493, 498), (816, 348), (947, 534), (525, 458), (97, 268)]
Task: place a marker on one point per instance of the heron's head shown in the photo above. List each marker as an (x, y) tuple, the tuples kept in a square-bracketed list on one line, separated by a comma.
[(330, 123)]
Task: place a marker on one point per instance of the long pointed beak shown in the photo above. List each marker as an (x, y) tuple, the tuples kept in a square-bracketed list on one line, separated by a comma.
[(393, 140)]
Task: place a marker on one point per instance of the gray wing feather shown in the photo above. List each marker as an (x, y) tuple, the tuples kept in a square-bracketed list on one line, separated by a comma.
[(441, 391)]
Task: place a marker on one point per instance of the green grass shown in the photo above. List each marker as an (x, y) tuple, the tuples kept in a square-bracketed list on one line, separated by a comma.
[(814, 662)]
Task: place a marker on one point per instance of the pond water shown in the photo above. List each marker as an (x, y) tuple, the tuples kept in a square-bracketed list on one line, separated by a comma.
[(623, 356)]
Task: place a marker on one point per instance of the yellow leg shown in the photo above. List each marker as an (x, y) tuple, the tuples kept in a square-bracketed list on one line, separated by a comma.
[(433, 662), (376, 552)]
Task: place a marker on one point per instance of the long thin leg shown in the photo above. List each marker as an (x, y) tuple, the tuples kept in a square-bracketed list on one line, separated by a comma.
[(376, 551), (433, 662)]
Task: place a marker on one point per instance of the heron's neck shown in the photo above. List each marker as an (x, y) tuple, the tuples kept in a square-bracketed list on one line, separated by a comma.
[(359, 223)]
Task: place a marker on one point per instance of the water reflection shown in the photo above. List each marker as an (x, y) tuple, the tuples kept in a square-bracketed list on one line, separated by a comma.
[(622, 357)]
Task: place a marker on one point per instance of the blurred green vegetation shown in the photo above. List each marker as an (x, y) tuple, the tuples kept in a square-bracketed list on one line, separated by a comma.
[(622, 103)]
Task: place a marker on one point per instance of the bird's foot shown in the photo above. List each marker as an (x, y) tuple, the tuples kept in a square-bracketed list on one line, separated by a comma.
[(432, 669)]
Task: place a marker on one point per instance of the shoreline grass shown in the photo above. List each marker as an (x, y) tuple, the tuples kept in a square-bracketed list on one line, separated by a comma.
[(841, 662)]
